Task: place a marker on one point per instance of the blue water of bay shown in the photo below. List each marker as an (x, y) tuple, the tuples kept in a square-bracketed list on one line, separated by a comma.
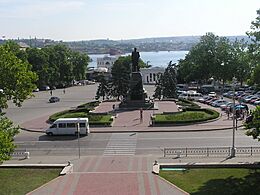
[(160, 58)]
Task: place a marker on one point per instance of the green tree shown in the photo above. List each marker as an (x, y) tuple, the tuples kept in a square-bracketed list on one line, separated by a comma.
[(158, 88), (254, 49), (121, 76), (7, 132), (103, 88), (16, 84), (79, 63), (38, 58), (16, 78), (241, 61), (166, 85), (15, 49), (254, 125)]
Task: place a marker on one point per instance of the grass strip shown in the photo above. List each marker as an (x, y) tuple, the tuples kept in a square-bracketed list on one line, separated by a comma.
[(17, 181), (224, 181)]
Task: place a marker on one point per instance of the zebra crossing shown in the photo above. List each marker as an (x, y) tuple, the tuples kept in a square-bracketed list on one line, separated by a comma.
[(121, 144)]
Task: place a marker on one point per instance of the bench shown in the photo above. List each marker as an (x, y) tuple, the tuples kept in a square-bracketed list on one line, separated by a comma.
[(20, 153)]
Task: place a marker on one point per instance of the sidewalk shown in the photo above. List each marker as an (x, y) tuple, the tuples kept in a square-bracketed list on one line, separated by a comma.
[(110, 175)]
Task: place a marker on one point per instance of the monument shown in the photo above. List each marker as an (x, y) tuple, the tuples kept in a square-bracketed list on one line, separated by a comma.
[(136, 97)]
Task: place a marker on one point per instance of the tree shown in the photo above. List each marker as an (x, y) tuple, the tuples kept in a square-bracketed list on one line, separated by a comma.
[(166, 85), (16, 78), (254, 49), (79, 63), (241, 60), (7, 132), (103, 88), (16, 84), (253, 125), (38, 58), (158, 88), (121, 76)]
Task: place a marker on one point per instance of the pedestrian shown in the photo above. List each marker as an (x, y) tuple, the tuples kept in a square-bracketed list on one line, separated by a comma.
[(228, 112), (141, 115), (114, 106), (51, 92), (64, 91)]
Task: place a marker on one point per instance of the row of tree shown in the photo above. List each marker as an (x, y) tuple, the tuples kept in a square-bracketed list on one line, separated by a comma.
[(55, 65), (216, 57)]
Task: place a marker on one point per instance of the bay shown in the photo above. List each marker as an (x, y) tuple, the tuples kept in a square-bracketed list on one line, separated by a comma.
[(156, 59)]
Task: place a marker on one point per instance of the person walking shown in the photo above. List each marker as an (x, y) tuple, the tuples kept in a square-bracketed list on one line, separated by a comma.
[(141, 115), (64, 91), (51, 92)]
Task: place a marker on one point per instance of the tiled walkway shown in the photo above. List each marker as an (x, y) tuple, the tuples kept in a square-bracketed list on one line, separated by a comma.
[(110, 175)]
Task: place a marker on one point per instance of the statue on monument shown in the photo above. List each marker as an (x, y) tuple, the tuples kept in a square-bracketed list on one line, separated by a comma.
[(135, 59)]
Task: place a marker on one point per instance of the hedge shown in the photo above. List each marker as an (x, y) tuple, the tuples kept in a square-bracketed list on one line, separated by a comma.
[(185, 117), (187, 103), (82, 111)]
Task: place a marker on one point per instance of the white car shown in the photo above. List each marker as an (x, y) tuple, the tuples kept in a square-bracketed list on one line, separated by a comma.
[(212, 94)]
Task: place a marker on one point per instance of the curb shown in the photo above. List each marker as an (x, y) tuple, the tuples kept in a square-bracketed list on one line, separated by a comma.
[(148, 131), (163, 130), (67, 168)]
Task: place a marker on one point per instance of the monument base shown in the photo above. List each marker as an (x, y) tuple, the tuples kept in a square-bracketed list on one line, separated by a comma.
[(137, 104)]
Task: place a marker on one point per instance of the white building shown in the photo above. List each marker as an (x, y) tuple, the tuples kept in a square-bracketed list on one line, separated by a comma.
[(106, 62), (151, 75)]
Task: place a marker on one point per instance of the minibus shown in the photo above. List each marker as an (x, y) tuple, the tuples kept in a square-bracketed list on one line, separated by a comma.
[(69, 126)]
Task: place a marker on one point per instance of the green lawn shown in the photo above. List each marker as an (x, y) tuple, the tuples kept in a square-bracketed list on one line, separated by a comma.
[(21, 181), (186, 117), (222, 181)]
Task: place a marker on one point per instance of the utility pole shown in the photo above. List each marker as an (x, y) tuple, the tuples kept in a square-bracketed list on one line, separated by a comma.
[(233, 149)]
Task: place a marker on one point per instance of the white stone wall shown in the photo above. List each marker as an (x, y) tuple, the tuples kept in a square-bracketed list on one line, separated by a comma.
[(150, 75)]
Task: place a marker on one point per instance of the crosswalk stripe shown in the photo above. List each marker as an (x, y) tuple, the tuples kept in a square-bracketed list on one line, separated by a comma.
[(121, 144)]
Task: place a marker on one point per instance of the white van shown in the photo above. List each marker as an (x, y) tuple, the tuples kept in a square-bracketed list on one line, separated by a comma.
[(69, 126), (190, 95)]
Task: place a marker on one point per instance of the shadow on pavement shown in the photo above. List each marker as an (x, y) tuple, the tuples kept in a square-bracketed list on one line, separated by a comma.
[(59, 138)]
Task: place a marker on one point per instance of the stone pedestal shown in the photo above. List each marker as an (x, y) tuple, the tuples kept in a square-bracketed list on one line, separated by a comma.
[(136, 97)]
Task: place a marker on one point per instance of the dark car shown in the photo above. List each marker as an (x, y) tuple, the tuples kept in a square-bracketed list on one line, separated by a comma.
[(54, 99)]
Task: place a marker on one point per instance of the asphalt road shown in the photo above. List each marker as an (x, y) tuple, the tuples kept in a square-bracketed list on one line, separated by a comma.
[(100, 143), (139, 143), (38, 105)]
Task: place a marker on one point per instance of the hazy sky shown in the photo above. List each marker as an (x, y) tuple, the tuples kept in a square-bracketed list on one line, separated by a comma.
[(124, 19)]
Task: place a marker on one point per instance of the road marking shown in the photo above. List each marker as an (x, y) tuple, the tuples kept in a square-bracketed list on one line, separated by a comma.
[(121, 144)]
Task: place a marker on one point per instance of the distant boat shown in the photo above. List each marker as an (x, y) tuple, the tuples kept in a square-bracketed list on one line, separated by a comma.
[(114, 52)]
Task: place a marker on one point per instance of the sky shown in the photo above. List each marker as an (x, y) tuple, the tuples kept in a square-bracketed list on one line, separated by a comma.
[(70, 20)]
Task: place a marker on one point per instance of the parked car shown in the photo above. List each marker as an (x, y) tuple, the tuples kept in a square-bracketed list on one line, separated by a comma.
[(225, 106), (54, 99), (212, 94), (256, 103), (247, 99), (211, 100), (45, 88), (36, 90), (218, 103)]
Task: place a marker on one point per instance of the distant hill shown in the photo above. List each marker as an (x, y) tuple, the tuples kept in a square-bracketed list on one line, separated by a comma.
[(104, 46)]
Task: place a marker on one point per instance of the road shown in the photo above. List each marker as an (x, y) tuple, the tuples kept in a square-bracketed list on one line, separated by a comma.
[(130, 143), (106, 143)]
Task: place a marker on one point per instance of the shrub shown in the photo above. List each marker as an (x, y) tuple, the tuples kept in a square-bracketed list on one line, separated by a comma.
[(194, 115), (187, 104)]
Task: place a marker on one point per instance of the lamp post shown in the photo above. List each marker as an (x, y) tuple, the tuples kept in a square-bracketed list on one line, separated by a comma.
[(233, 149), (78, 132)]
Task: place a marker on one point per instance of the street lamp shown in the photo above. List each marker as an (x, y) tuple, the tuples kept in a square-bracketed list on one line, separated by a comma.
[(78, 132), (233, 149)]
